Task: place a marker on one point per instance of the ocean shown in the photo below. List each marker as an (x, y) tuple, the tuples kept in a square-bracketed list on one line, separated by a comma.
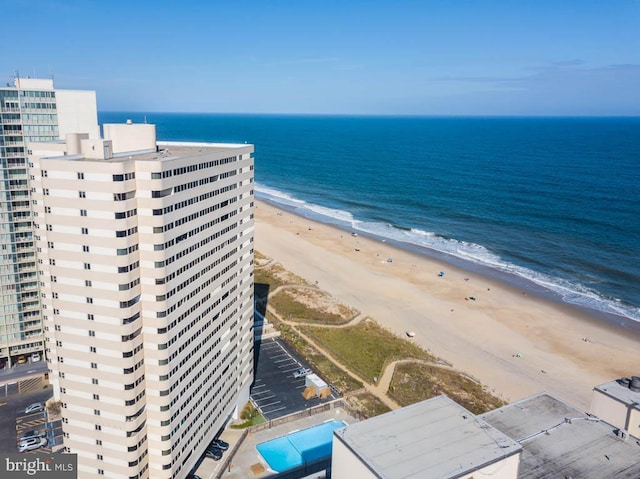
[(548, 204)]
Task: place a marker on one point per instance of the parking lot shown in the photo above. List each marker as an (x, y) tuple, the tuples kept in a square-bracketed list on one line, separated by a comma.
[(275, 391), (14, 423)]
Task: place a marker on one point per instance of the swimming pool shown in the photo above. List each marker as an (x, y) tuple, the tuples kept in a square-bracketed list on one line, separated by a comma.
[(300, 447)]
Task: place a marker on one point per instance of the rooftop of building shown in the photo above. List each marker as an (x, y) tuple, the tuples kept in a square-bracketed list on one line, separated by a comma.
[(164, 151), (433, 438), (561, 441), (620, 390)]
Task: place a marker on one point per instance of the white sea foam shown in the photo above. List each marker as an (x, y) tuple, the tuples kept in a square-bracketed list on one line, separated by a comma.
[(570, 292)]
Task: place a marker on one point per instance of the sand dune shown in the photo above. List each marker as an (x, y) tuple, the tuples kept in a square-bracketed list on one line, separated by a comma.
[(515, 344)]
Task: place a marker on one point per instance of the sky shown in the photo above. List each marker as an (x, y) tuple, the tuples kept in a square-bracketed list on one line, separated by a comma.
[(387, 57)]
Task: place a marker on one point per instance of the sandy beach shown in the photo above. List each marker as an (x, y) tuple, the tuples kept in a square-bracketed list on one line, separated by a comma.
[(514, 343)]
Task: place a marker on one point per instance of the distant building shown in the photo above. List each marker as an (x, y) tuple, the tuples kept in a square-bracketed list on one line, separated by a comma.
[(146, 260), (31, 111), (436, 438), (618, 403), (560, 441)]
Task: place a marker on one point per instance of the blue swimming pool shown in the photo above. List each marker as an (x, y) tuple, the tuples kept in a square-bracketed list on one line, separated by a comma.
[(300, 447)]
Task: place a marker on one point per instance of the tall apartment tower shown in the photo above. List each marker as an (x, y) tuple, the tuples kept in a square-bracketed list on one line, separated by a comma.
[(31, 111), (146, 255)]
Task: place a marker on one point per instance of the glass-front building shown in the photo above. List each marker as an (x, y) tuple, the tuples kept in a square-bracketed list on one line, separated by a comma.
[(28, 114)]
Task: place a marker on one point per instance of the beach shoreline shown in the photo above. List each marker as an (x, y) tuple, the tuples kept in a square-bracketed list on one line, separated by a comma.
[(515, 341)]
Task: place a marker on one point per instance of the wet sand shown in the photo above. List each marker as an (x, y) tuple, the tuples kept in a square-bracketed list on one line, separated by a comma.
[(516, 344)]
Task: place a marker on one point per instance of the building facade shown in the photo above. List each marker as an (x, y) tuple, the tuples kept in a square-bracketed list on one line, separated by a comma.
[(146, 261), (31, 111)]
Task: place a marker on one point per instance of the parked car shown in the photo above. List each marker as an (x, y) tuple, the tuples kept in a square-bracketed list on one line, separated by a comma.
[(32, 434), (32, 444), (35, 407), (214, 453), (35, 357), (220, 444), (302, 372)]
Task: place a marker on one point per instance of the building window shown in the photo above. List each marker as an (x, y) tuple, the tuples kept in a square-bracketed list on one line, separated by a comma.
[(90, 317), (87, 282), (81, 176), (47, 209), (45, 191), (94, 366), (85, 248), (92, 349), (100, 472), (85, 231), (98, 427), (50, 244), (98, 442), (87, 266), (94, 381), (54, 279), (90, 300), (45, 174), (99, 456), (92, 333), (96, 397), (52, 261), (83, 212), (96, 412), (82, 194)]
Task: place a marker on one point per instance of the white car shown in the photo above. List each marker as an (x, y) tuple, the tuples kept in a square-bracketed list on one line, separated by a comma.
[(31, 444), (35, 407), (302, 372), (35, 357)]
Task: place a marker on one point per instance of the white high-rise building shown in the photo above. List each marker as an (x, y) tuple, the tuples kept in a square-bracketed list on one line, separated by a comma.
[(31, 111), (146, 264)]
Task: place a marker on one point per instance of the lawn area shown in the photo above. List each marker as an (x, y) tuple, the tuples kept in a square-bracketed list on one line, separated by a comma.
[(328, 371), (416, 382), (250, 416), (312, 306), (365, 348)]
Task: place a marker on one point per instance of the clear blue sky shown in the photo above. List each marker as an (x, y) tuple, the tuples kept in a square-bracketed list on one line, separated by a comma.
[(455, 57)]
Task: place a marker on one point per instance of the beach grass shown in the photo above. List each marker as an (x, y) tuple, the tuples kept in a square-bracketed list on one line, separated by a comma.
[(415, 382), (274, 276), (366, 347), (366, 404), (311, 306)]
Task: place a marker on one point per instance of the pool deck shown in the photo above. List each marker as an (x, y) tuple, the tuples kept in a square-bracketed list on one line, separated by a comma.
[(247, 455)]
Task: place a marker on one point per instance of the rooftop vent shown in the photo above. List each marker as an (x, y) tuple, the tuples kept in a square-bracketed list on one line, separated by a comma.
[(635, 384)]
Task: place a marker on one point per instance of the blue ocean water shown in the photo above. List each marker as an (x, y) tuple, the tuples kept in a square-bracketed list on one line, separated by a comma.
[(553, 202)]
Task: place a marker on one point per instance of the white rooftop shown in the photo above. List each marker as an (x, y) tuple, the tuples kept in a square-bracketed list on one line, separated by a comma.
[(561, 441), (619, 389), (433, 438)]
